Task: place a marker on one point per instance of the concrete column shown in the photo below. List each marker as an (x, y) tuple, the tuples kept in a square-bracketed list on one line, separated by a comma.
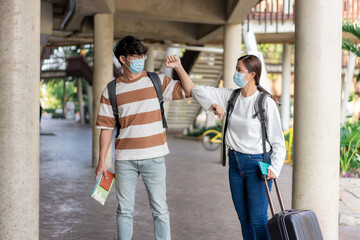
[(232, 51), (103, 72), (46, 22), (210, 119), (80, 99), (150, 63), (89, 91), (285, 93), (349, 77), (19, 119), (171, 51), (317, 111), (252, 49)]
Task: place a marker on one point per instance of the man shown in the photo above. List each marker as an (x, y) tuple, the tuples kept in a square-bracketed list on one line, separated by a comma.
[(141, 145)]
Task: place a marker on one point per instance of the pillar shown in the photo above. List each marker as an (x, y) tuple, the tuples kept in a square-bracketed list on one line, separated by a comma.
[(317, 111), (232, 51), (103, 73), (89, 91), (285, 92), (250, 43), (210, 119), (150, 61), (80, 99), (19, 124), (46, 22), (169, 52), (169, 72)]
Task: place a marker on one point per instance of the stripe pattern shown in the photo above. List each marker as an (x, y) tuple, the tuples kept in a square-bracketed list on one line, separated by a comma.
[(142, 134)]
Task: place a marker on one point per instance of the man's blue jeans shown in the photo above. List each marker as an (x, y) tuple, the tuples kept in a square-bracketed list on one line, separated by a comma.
[(153, 172), (248, 194)]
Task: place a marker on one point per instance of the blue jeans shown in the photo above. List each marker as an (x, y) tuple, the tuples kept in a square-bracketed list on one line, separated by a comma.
[(248, 194), (153, 172)]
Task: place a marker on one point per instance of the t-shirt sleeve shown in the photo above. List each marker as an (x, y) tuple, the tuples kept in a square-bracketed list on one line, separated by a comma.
[(275, 136), (207, 95), (105, 118), (171, 89)]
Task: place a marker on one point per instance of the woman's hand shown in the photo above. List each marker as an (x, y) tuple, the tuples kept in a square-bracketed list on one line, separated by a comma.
[(270, 175), (218, 110)]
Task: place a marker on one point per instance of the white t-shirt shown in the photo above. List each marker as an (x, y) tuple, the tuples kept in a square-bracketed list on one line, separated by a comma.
[(244, 132)]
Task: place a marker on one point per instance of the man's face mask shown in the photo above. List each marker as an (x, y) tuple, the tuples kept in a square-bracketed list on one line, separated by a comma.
[(136, 65)]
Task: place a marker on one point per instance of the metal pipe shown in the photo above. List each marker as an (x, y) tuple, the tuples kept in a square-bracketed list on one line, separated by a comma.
[(69, 14)]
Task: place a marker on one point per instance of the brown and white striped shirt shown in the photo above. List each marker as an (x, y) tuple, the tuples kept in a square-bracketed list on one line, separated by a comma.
[(142, 134)]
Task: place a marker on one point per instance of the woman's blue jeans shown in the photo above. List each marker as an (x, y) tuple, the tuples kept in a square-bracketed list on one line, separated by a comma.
[(248, 194)]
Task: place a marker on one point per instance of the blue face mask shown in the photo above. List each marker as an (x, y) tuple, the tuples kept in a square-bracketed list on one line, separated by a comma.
[(136, 66), (239, 79)]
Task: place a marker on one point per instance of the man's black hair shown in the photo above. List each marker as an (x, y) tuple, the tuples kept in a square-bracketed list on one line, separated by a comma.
[(129, 45)]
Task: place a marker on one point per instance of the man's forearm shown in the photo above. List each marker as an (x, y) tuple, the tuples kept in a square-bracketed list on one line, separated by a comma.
[(185, 80), (105, 141)]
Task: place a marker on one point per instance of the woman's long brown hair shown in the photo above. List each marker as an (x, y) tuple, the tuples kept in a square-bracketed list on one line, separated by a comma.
[(253, 64)]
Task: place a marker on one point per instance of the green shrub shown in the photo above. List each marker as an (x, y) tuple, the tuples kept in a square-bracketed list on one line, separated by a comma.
[(349, 146)]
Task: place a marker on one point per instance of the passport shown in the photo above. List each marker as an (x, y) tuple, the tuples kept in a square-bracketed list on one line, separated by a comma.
[(106, 183), (102, 187)]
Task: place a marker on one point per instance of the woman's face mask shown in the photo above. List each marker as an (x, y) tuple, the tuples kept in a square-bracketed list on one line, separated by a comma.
[(137, 65), (239, 79)]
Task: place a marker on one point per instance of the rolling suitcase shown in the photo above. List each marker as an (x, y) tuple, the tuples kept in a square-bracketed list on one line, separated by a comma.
[(291, 224)]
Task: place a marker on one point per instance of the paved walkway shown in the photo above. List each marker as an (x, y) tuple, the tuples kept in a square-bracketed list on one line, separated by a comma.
[(198, 192)]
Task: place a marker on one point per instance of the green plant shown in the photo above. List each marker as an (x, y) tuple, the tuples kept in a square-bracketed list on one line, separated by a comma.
[(349, 146), (350, 45)]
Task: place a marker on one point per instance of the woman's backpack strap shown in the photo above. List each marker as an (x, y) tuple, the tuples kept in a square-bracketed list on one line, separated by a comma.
[(230, 107)]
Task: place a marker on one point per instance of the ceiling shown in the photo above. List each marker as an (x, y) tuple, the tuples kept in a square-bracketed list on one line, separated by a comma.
[(177, 21)]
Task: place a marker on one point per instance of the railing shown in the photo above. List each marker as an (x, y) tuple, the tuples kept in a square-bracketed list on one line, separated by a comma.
[(272, 11), (278, 11), (351, 10)]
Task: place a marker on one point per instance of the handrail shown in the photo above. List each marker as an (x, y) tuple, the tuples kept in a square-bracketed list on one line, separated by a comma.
[(267, 11)]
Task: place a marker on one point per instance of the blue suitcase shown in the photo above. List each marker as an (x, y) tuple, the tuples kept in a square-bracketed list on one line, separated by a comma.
[(291, 224)]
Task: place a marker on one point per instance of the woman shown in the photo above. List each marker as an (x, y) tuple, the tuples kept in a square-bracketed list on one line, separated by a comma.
[(243, 137)]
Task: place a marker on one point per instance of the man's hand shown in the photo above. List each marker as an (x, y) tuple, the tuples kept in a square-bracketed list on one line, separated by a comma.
[(270, 175), (172, 62), (101, 169), (218, 110)]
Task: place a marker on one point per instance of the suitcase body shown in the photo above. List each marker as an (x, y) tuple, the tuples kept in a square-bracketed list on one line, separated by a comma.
[(294, 224)]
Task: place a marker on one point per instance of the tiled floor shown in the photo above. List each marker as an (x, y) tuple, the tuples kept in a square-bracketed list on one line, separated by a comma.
[(197, 188)]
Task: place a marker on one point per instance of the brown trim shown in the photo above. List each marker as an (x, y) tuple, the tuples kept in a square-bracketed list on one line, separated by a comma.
[(136, 95), (104, 100), (141, 118), (177, 92), (141, 142), (165, 83), (105, 121)]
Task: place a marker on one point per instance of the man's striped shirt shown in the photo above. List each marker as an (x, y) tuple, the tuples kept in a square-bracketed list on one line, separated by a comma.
[(142, 134)]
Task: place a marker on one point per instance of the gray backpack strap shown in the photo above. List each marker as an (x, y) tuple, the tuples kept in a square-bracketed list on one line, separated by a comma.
[(260, 113), (230, 107), (157, 84), (111, 87)]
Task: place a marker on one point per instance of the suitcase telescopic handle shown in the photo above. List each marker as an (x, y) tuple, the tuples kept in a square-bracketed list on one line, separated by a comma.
[(269, 195)]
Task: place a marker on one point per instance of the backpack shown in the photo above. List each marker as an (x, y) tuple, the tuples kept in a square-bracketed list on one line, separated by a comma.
[(259, 108), (112, 97)]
